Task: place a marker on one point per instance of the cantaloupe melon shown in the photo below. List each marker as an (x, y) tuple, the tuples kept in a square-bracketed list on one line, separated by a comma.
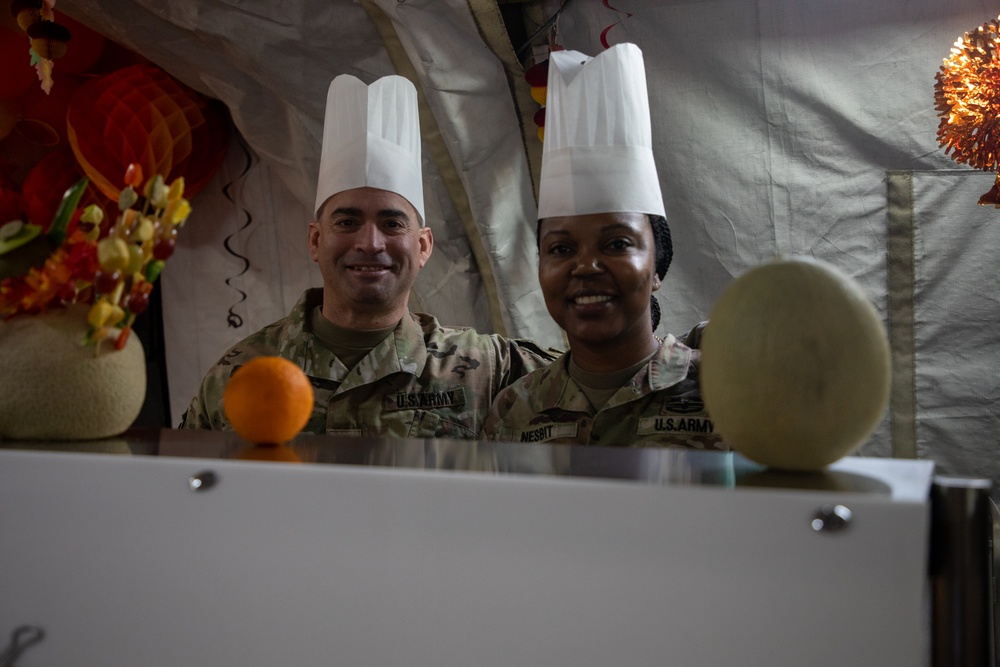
[(54, 388), (795, 366)]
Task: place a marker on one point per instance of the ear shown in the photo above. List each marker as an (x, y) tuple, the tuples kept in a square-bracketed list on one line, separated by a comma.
[(426, 241), (312, 239)]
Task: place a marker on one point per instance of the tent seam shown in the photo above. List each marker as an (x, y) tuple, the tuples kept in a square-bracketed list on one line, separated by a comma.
[(901, 272)]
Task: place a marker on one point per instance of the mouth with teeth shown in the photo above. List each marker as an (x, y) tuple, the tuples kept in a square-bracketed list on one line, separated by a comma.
[(590, 302), (591, 299), (368, 267)]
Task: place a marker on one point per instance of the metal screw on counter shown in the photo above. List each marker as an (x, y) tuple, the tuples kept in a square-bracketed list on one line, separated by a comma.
[(831, 518), (203, 481)]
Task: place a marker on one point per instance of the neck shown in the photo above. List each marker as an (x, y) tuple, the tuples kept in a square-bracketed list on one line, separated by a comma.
[(610, 357), (352, 318)]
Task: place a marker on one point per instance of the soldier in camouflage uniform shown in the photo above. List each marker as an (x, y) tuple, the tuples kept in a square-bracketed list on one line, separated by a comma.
[(422, 381), (376, 368), (604, 247), (660, 405)]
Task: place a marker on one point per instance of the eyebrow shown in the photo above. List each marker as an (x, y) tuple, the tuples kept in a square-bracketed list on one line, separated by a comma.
[(357, 212), (615, 226), (612, 227)]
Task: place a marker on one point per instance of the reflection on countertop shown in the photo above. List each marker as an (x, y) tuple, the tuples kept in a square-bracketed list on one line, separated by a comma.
[(902, 480)]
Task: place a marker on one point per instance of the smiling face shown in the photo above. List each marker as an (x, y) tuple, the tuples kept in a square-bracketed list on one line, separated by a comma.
[(369, 246), (596, 273)]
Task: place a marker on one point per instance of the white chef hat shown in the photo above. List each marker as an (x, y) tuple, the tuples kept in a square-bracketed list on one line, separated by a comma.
[(597, 156), (371, 138)]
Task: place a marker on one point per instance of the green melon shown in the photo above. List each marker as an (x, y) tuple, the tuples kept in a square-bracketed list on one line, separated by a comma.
[(795, 366), (52, 387)]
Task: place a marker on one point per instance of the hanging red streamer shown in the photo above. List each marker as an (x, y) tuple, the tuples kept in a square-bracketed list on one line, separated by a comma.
[(604, 33)]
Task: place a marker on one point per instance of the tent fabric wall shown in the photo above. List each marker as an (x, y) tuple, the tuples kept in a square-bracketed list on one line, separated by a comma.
[(957, 299), (775, 124), (944, 277)]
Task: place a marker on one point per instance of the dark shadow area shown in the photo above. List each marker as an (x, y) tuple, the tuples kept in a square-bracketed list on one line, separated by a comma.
[(148, 327)]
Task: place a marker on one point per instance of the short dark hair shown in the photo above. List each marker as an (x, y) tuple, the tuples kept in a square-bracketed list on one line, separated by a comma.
[(664, 247)]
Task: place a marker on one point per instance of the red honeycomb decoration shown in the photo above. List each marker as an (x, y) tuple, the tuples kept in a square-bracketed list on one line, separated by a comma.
[(141, 115)]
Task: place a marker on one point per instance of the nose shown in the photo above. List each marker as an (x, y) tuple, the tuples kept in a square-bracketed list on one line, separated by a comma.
[(587, 263), (369, 239)]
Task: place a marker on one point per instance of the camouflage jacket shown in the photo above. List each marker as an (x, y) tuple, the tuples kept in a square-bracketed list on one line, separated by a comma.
[(660, 406), (423, 381)]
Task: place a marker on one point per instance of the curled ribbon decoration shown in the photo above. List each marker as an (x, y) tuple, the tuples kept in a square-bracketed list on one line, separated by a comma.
[(604, 33), (233, 319)]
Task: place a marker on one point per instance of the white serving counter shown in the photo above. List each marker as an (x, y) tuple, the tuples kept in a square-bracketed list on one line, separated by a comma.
[(441, 553)]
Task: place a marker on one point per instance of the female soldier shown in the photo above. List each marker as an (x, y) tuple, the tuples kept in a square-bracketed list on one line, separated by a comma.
[(604, 247)]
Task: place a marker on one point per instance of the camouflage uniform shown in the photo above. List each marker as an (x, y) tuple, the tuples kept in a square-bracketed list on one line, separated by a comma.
[(660, 406), (423, 381)]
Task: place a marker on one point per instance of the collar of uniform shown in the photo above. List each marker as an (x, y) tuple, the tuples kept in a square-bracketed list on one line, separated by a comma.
[(403, 352), (667, 367), (298, 343), (670, 364), (556, 390)]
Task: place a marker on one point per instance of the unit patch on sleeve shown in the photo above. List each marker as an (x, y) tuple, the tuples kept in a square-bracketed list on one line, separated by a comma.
[(684, 405), (426, 400)]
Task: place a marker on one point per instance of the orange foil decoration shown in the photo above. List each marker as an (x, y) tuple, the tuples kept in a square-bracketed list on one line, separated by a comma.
[(140, 114), (967, 98)]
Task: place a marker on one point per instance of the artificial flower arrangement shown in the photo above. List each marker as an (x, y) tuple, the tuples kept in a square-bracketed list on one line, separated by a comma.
[(76, 261)]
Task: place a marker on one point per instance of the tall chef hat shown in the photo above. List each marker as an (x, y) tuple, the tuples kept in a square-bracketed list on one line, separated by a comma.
[(371, 137), (597, 156)]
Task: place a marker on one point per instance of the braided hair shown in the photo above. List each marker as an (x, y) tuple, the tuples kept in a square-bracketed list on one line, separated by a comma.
[(664, 255)]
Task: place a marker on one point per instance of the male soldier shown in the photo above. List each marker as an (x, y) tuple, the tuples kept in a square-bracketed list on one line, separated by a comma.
[(376, 368)]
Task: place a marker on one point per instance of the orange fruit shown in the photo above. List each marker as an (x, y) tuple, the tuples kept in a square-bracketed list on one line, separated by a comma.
[(268, 400)]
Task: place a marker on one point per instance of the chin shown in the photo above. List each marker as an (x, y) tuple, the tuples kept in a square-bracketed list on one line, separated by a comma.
[(592, 337), (607, 333)]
